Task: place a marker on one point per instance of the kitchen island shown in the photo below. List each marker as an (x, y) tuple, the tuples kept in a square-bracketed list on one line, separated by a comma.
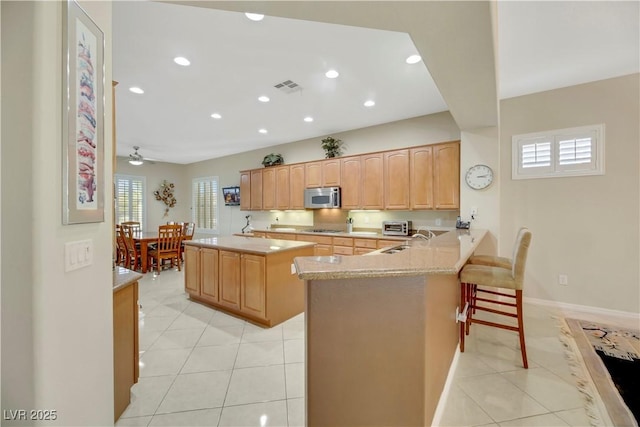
[(381, 331), (251, 278)]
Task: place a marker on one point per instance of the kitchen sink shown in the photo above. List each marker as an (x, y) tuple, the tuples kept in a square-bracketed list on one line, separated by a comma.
[(396, 249)]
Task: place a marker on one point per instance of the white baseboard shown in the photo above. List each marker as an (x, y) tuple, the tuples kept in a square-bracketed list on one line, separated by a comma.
[(437, 415), (582, 308)]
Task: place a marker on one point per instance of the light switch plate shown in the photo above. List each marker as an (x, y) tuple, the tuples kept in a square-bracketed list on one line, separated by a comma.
[(293, 268), (78, 254)]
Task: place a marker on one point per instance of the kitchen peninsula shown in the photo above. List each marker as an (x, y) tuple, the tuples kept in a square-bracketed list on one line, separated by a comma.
[(381, 331), (248, 277)]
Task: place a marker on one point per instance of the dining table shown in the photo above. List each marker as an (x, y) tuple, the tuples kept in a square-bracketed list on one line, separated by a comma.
[(144, 238)]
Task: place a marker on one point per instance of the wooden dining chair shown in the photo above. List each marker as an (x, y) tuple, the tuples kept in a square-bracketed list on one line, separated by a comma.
[(132, 260), (135, 225), (121, 247), (168, 246), (482, 287), (188, 229)]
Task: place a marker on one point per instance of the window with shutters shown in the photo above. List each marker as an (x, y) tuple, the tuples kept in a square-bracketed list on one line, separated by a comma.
[(205, 204), (563, 152), (130, 201)]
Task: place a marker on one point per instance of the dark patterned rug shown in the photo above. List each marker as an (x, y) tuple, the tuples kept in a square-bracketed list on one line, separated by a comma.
[(606, 361)]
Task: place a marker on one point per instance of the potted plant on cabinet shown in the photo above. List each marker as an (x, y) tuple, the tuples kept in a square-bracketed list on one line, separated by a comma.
[(332, 147), (272, 160)]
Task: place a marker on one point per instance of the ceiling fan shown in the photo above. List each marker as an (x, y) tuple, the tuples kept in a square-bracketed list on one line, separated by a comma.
[(136, 158)]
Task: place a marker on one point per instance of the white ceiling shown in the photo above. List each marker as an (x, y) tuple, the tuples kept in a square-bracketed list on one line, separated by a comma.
[(541, 46)]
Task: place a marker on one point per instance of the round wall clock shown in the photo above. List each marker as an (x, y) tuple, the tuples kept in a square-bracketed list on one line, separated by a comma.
[(479, 177)]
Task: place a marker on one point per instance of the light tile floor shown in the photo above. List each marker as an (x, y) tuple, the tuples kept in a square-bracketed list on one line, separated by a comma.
[(202, 367)]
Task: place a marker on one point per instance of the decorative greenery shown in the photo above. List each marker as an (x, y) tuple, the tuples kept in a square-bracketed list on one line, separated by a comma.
[(165, 193), (272, 160), (332, 147)]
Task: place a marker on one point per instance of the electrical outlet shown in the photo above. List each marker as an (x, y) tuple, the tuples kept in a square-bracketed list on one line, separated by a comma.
[(563, 279)]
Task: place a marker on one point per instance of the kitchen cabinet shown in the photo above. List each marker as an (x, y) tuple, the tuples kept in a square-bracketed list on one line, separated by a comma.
[(313, 174), (283, 190), (253, 285), (382, 243), (396, 180), (364, 246), (343, 246), (256, 189), (269, 188), (229, 289), (256, 285), (296, 185), (372, 189), (446, 182), (283, 236), (421, 177), (245, 190), (324, 244), (351, 182), (331, 173)]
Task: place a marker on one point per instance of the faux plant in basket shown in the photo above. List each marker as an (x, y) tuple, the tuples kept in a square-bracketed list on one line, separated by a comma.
[(332, 147), (272, 160)]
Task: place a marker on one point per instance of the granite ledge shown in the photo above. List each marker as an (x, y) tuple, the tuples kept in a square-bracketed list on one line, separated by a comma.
[(444, 255), (249, 244), (123, 277)]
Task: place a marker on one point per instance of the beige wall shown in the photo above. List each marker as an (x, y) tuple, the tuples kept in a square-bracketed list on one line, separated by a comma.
[(585, 227), (57, 348), (405, 133), (155, 174)]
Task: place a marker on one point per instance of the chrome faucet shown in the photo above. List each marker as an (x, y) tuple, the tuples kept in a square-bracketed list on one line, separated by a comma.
[(429, 234)]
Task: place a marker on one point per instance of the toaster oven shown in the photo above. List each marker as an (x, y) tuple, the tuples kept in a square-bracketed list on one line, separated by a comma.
[(396, 228)]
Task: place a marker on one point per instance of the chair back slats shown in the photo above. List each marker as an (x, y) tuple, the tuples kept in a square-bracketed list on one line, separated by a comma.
[(169, 237), (188, 229), (135, 225)]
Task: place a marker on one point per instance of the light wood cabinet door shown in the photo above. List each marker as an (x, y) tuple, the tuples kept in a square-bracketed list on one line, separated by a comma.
[(446, 182), (323, 250), (245, 190), (331, 173), (253, 285), (372, 181), (296, 185), (269, 188), (210, 274), (283, 190), (191, 269), (313, 174), (256, 189), (396, 179), (229, 286), (351, 183), (421, 177)]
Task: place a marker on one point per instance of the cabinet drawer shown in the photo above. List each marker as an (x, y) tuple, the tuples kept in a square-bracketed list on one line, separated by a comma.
[(362, 251), (343, 250), (385, 243), (343, 241), (325, 240), (283, 236), (259, 234), (365, 243)]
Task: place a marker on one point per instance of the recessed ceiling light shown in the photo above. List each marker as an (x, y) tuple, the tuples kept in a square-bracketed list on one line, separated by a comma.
[(263, 98), (262, 130), (136, 89), (332, 74), (254, 16), (413, 59), (181, 60), (308, 119), (216, 116), (369, 103)]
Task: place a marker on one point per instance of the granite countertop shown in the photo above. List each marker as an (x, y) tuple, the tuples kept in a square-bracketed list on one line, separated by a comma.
[(248, 244), (354, 234), (123, 277), (444, 254)]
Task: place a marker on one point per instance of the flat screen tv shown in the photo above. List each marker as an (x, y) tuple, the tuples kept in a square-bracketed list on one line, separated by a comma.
[(231, 196)]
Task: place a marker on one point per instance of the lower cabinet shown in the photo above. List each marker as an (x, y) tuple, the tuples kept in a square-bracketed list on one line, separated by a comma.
[(125, 345), (260, 288)]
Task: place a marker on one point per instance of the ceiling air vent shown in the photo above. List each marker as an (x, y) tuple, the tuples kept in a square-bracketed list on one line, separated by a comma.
[(288, 86)]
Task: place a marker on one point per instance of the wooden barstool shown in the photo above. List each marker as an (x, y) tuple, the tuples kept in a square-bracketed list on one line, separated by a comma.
[(474, 278)]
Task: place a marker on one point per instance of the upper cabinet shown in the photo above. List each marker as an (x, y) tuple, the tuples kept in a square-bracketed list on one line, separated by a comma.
[(296, 186), (424, 177), (372, 181), (446, 180), (396, 180)]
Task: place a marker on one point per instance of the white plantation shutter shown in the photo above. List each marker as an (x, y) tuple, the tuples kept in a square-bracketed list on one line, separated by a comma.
[(564, 152), (205, 203), (129, 194)]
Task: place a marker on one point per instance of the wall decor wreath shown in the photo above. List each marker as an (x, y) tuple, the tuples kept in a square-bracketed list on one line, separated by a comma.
[(165, 193)]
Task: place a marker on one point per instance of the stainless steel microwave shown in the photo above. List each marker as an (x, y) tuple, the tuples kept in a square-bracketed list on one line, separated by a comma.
[(319, 198)]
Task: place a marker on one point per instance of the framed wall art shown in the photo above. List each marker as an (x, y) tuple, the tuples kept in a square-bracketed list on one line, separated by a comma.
[(83, 117)]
